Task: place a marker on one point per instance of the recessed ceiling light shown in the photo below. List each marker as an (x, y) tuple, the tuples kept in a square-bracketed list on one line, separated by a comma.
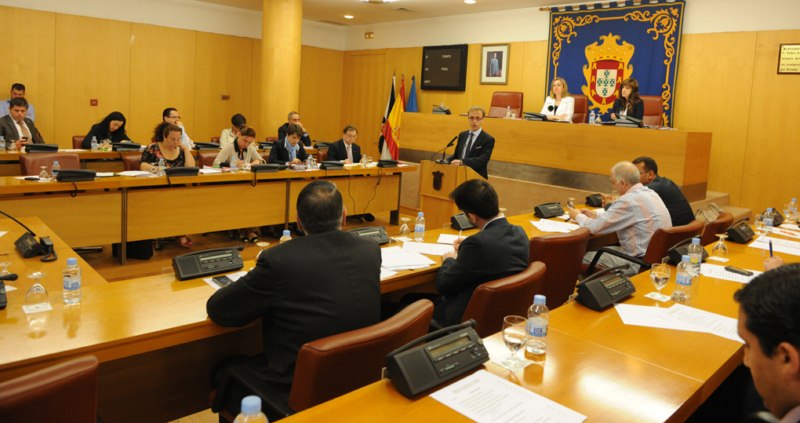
[(349, 16), (470, 1), (378, 1)]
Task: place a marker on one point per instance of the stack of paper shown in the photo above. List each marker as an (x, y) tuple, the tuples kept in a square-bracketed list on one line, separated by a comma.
[(394, 258), (778, 245), (679, 317), (545, 225), (134, 173), (718, 272), (427, 248), (209, 170)]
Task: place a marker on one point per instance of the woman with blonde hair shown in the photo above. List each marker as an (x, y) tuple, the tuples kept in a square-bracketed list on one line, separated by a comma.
[(559, 105)]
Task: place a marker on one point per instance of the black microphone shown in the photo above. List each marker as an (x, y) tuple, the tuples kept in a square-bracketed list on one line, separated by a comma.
[(9, 277), (20, 223), (449, 144), (550, 108)]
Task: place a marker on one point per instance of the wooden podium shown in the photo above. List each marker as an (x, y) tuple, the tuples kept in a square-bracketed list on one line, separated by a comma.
[(436, 203)]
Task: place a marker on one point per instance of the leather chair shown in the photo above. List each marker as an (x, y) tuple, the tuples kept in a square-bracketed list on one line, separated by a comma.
[(215, 139), (30, 164), (337, 364), (77, 140), (718, 226), (207, 157), (271, 139), (652, 110), (322, 152), (65, 392), (581, 114), (131, 161), (491, 301), (562, 254), (661, 241), (501, 100)]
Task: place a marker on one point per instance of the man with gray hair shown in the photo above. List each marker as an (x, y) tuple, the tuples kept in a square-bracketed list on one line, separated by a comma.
[(635, 216), (474, 148)]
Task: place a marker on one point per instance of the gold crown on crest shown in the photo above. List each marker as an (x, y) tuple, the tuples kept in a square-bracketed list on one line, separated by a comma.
[(609, 50)]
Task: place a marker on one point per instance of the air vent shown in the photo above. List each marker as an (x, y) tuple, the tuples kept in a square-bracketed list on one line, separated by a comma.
[(333, 22)]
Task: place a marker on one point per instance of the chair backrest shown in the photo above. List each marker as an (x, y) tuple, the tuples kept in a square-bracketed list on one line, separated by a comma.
[(322, 152), (491, 301), (332, 366), (77, 140), (652, 110), (207, 157), (215, 139), (664, 239), (562, 254), (718, 226), (581, 110), (131, 161), (271, 139), (30, 164), (501, 100), (64, 392)]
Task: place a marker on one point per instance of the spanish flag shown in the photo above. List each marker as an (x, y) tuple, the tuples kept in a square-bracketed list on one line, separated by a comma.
[(391, 131)]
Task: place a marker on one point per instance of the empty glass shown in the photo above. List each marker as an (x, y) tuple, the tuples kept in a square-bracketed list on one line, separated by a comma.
[(404, 229), (4, 265), (44, 175), (720, 249), (659, 275), (759, 225), (515, 336), (36, 296), (263, 246)]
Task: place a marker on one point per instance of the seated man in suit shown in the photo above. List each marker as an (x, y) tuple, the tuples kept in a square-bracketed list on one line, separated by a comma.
[(294, 118), (288, 150), (635, 217), (338, 290), (500, 249), (16, 128), (769, 324), (346, 149), (679, 209), (474, 148), (17, 91)]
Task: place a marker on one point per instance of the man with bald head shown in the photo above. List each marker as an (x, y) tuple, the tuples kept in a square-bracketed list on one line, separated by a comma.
[(634, 217)]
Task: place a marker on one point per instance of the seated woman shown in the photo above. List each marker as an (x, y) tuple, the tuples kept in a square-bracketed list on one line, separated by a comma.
[(229, 134), (559, 105), (629, 103), (110, 129), (168, 146), (243, 150)]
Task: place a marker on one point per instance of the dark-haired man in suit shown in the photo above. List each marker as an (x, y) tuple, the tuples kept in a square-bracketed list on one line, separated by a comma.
[(16, 128), (289, 150), (346, 149), (474, 148)]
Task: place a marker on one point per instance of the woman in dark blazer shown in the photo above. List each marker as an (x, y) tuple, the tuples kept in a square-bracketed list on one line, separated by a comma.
[(111, 128), (629, 103)]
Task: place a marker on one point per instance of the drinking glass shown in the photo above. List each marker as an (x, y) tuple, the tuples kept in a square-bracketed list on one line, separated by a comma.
[(4, 265), (263, 246), (37, 294), (659, 274), (759, 226), (44, 175), (571, 202), (515, 336), (404, 230), (720, 249)]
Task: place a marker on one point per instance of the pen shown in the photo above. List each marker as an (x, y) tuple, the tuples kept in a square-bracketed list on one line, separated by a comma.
[(770, 248)]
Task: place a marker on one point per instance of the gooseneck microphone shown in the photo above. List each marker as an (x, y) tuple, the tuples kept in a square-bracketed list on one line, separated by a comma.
[(449, 144)]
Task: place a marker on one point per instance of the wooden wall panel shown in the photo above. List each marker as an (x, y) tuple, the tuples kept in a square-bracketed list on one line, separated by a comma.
[(162, 75), (223, 66), (365, 90), (770, 176), (30, 60), (255, 95), (92, 62), (321, 93)]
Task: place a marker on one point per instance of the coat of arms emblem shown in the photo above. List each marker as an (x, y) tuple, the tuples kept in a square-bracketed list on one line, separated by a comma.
[(608, 65)]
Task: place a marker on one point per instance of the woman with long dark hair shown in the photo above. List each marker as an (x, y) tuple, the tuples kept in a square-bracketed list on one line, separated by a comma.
[(110, 129), (629, 103)]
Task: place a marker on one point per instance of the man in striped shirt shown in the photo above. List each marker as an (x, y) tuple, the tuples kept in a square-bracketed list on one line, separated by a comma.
[(635, 216)]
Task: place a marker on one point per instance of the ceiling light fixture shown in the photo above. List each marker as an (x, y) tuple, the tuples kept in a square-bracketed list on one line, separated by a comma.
[(349, 16), (378, 1), (470, 1)]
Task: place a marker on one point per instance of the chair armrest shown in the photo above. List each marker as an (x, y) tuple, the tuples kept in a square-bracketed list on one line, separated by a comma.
[(642, 264)]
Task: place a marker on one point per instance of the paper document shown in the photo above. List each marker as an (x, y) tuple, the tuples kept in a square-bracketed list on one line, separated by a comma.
[(786, 232), (447, 239), (394, 258), (386, 273), (209, 170), (718, 272), (3, 233), (636, 315), (778, 245), (232, 276), (484, 397), (134, 173), (104, 174), (545, 225), (427, 248), (679, 317)]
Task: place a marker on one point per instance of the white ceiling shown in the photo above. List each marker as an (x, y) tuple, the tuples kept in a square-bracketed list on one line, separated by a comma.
[(333, 11)]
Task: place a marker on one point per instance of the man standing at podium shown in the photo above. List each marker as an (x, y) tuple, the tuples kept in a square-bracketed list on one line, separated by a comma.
[(474, 148)]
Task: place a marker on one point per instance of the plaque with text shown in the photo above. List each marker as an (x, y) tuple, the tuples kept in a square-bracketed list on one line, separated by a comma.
[(789, 59)]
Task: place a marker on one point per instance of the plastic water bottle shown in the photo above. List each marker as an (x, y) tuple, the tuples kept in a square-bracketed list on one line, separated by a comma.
[(287, 236), (695, 253), (419, 227), (538, 318), (251, 411), (508, 112), (769, 220), (161, 166), (2, 143), (54, 170), (234, 167), (683, 281), (94, 143), (72, 282), (592, 118)]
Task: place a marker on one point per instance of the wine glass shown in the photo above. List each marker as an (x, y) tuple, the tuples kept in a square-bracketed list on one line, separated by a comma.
[(37, 296), (404, 230), (44, 175), (4, 265), (659, 274), (759, 225), (515, 336), (571, 202), (263, 246), (37, 293), (720, 249)]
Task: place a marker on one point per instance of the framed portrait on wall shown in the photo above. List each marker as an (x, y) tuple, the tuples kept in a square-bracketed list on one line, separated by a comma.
[(494, 64)]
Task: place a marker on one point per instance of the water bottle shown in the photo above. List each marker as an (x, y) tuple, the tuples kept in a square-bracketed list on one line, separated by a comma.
[(234, 167), (251, 411), (695, 253), (769, 220), (54, 170), (508, 112), (419, 227), (94, 143), (287, 236), (161, 166), (592, 118), (538, 318), (2, 143), (683, 280), (72, 282), (792, 214)]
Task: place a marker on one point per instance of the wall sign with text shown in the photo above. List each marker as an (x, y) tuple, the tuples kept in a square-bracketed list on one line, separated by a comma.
[(789, 59)]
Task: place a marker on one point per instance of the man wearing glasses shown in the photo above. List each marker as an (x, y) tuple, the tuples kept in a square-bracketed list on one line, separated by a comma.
[(474, 148)]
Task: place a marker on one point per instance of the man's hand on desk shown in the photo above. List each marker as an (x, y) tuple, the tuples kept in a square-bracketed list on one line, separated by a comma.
[(573, 213), (456, 162), (772, 263), (454, 253)]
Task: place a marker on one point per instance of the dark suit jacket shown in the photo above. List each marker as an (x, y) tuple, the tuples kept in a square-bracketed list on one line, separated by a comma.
[(8, 129), (338, 151), (279, 153), (480, 153), (619, 105), (499, 250), (298, 302), (679, 209), (305, 139)]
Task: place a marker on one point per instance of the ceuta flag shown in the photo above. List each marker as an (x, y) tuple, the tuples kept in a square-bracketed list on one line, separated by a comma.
[(391, 131), (389, 105)]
